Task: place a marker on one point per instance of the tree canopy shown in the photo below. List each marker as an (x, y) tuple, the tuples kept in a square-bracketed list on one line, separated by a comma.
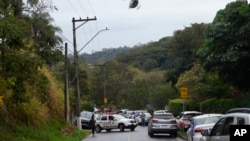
[(227, 46)]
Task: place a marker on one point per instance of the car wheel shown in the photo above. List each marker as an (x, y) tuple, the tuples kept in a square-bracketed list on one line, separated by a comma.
[(174, 135), (108, 130), (132, 129), (121, 127), (150, 134), (98, 129)]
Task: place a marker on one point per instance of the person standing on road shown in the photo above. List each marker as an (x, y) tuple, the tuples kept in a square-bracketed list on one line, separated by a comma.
[(92, 124), (142, 119)]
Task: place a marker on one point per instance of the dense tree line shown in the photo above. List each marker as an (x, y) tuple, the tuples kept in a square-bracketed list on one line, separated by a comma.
[(28, 45), (210, 59)]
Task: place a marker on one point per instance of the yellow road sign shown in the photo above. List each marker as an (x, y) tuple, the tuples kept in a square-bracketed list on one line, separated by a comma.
[(1, 101), (184, 92), (105, 100)]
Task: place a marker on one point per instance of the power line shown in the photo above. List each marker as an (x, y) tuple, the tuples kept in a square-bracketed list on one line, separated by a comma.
[(82, 7), (74, 8)]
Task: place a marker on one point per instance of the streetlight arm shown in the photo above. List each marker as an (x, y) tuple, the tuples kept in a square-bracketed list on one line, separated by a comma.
[(92, 39)]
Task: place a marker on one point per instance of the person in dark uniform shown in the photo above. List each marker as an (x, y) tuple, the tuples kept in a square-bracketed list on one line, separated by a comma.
[(92, 124)]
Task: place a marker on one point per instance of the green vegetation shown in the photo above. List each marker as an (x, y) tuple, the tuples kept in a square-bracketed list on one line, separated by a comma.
[(212, 60), (53, 130), (182, 134)]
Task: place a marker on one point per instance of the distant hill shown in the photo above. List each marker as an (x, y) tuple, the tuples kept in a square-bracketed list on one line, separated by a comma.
[(104, 55)]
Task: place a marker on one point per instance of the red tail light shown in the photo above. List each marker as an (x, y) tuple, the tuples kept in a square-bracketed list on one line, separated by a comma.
[(154, 120), (173, 121), (197, 130)]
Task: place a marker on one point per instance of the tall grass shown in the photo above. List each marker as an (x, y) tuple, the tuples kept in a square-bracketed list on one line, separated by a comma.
[(52, 131)]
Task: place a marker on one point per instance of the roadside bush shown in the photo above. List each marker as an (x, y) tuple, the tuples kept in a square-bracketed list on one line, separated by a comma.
[(33, 113), (175, 106), (215, 105)]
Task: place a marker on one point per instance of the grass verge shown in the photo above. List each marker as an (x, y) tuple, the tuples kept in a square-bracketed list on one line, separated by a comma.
[(182, 134), (53, 131)]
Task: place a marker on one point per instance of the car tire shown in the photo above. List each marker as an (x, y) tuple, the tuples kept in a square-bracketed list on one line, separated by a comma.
[(150, 134), (121, 127), (132, 129), (98, 129), (108, 130), (174, 135)]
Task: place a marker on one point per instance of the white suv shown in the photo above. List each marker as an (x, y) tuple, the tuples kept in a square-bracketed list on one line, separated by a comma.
[(221, 131), (115, 121)]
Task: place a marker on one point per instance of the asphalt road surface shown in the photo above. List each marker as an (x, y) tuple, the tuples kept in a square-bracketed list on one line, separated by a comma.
[(140, 134)]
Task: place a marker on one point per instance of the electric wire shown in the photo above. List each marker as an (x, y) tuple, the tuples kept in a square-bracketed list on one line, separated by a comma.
[(96, 25), (82, 7), (74, 8)]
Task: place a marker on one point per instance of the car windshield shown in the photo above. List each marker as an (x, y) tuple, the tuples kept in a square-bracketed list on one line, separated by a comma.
[(86, 114), (163, 116)]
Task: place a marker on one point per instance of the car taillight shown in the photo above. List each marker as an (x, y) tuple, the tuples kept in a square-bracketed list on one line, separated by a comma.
[(173, 121), (154, 120), (197, 130)]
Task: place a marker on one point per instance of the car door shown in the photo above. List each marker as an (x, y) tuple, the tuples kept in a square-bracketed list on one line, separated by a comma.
[(221, 130), (105, 122), (112, 121)]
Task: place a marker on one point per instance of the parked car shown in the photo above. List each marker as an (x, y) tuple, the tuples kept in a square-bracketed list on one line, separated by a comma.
[(161, 111), (148, 116), (162, 123), (238, 110), (85, 119), (115, 121), (221, 131), (183, 119), (198, 123)]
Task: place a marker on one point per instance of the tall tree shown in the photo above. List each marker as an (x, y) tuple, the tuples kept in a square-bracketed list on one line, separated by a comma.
[(182, 53), (227, 48)]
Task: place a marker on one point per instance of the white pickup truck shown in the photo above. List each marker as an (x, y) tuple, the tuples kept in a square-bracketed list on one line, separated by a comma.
[(114, 121)]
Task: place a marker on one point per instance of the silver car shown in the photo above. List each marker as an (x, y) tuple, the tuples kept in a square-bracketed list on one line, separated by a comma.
[(162, 123), (199, 123), (221, 130)]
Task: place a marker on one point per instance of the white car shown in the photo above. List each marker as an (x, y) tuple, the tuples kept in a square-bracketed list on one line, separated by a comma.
[(221, 130), (114, 121), (199, 123), (148, 116)]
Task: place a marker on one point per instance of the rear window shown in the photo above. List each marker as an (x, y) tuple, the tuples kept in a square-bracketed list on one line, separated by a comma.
[(164, 116), (187, 116)]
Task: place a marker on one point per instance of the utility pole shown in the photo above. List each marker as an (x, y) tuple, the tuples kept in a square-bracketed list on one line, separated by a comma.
[(66, 89), (77, 87)]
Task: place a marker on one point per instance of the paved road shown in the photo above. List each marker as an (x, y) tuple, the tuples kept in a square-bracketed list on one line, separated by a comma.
[(140, 134)]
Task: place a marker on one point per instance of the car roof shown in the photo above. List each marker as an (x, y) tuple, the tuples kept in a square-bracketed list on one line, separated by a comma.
[(163, 114), (238, 110), (236, 114), (189, 112), (207, 115)]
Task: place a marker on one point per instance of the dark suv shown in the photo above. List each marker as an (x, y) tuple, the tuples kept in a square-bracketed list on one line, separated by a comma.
[(85, 119)]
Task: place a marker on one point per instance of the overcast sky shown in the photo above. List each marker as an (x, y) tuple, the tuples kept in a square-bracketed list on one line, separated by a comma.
[(151, 21)]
